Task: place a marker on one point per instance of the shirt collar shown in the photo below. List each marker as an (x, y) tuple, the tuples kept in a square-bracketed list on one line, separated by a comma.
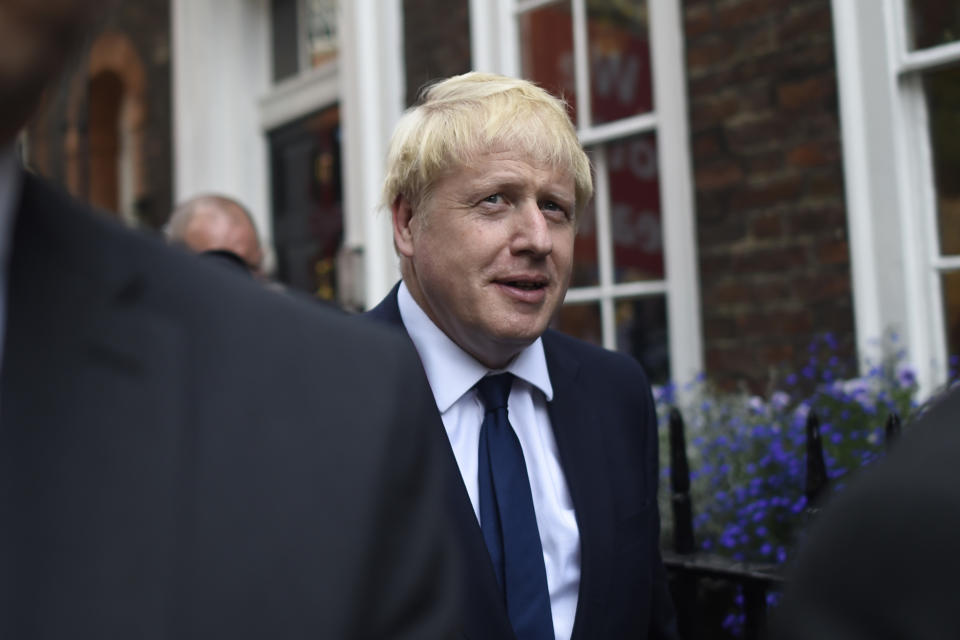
[(452, 371)]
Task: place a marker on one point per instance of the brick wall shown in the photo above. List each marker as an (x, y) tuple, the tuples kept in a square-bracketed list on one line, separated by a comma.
[(57, 128), (771, 225), (436, 45)]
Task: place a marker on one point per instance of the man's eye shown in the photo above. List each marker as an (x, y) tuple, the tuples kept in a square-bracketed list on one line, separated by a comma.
[(496, 198), (550, 205)]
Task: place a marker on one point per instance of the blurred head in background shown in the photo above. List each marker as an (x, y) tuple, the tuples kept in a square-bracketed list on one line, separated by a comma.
[(213, 223)]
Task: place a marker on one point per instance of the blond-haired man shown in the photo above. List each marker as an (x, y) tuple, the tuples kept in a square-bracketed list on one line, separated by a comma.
[(554, 443)]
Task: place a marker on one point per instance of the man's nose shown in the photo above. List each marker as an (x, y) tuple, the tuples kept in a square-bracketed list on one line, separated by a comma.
[(532, 233)]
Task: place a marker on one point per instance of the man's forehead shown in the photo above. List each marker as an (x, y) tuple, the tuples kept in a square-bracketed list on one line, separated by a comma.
[(513, 170)]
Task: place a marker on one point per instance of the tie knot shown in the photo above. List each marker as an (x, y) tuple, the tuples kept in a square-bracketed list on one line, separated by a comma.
[(494, 391)]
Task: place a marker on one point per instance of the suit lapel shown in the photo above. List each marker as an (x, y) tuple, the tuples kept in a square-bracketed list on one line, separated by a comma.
[(582, 460), (89, 425), (483, 613)]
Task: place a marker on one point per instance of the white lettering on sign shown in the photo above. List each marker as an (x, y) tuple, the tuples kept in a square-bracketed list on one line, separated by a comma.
[(636, 229)]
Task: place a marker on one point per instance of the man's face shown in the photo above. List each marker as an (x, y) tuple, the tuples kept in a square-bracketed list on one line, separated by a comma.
[(35, 38), (489, 254)]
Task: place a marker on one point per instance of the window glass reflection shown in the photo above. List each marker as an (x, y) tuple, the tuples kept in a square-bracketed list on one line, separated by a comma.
[(620, 76), (943, 100), (642, 332), (580, 321), (933, 22), (635, 220), (951, 311), (546, 51)]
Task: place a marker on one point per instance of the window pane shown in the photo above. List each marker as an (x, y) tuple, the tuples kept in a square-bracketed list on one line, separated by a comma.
[(943, 99), (307, 202), (580, 321), (283, 15), (635, 208), (934, 22), (951, 310), (586, 272), (546, 50), (321, 31), (642, 332), (620, 79)]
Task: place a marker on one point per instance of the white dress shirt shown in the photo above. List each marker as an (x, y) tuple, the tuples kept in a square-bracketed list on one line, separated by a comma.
[(452, 372), (9, 195)]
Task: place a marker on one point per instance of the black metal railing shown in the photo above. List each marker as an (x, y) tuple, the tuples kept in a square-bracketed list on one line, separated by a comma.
[(695, 575)]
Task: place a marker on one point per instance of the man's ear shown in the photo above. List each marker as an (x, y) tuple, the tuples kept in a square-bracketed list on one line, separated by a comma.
[(402, 226)]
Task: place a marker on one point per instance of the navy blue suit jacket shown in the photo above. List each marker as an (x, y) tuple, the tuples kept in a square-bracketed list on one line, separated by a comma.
[(604, 421), (184, 454)]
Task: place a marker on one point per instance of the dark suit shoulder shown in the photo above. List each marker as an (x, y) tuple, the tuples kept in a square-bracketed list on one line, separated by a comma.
[(595, 360), (880, 559)]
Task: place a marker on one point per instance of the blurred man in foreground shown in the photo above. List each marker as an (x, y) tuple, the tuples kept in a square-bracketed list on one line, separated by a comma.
[(213, 223), (554, 441), (881, 561), (178, 457)]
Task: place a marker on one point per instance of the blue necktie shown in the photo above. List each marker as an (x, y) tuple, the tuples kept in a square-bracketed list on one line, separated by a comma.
[(507, 518)]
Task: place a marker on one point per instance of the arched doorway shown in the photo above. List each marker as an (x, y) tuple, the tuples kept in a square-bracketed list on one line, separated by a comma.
[(105, 137), (104, 140)]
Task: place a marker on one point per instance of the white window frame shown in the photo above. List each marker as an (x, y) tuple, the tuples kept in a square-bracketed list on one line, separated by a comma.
[(494, 40), (366, 80), (890, 189)]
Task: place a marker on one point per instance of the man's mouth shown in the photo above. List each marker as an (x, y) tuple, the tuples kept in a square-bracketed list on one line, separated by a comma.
[(524, 284)]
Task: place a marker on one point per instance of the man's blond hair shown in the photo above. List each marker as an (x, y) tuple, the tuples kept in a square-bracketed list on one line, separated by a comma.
[(469, 115)]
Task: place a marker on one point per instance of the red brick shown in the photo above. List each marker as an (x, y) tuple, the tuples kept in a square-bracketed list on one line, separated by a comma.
[(728, 230), (705, 145), (727, 292), (813, 221), (770, 260), (714, 110), (754, 131), (810, 154), (767, 226), (806, 23), (837, 252), (827, 184), (697, 21), (719, 176), (824, 286), (708, 54), (739, 13), (782, 190), (776, 322), (810, 92), (765, 163)]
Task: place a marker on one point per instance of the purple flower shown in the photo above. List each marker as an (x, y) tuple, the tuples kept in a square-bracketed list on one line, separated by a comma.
[(799, 504), (779, 400)]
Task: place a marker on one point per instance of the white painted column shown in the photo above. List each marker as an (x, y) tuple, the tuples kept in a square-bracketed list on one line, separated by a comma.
[(880, 165), (221, 66), (372, 81), (676, 191), (493, 37)]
